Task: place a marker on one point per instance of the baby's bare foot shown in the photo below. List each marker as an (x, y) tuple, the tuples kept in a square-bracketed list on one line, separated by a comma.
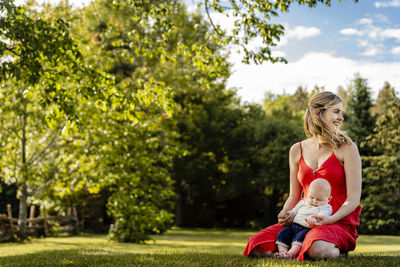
[(279, 254), (289, 255)]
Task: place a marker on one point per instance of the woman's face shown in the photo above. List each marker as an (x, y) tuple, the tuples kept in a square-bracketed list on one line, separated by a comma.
[(334, 116)]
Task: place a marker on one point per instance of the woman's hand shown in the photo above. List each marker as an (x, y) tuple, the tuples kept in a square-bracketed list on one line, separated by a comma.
[(318, 220), (284, 218)]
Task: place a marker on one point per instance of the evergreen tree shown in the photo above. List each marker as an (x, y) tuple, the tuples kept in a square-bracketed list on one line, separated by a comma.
[(385, 96), (381, 191), (359, 122), (299, 100), (342, 93)]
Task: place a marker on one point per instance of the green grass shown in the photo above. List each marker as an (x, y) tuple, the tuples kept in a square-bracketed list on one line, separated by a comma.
[(180, 247)]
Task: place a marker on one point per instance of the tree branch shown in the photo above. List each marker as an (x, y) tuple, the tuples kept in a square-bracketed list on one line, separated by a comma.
[(41, 187), (36, 155), (209, 17), (16, 133)]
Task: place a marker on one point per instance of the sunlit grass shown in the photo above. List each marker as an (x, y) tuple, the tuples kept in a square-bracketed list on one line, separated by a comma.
[(179, 247), (378, 245)]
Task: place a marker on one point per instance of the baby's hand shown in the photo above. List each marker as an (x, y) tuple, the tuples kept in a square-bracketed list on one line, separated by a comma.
[(311, 221), (284, 218)]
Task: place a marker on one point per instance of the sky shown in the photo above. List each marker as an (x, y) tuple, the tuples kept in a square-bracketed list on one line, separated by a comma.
[(324, 46)]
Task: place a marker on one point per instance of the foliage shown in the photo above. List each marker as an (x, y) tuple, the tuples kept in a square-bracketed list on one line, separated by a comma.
[(385, 96), (242, 153), (42, 55), (251, 21), (132, 139), (382, 176), (359, 122), (42, 74)]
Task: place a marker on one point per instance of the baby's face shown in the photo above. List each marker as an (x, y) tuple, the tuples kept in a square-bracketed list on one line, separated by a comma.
[(317, 197)]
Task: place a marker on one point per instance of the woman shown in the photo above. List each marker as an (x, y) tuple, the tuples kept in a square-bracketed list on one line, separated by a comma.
[(327, 153)]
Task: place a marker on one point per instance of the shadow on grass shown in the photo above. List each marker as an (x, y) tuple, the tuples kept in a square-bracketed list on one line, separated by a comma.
[(99, 257)]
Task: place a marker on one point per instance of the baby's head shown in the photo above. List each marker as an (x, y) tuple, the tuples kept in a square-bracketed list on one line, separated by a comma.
[(319, 192)]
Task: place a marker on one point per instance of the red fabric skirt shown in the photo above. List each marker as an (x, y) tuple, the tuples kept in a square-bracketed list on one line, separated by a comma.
[(342, 235)]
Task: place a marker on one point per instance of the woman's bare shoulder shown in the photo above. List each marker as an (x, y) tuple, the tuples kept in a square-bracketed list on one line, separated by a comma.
[(349, 147), (295, 150), (348, 150)]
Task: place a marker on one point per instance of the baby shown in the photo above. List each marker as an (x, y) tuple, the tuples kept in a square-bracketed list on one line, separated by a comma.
[(316, 203)]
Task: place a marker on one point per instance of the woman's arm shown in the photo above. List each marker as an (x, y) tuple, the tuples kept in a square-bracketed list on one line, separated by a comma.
[(352, 168), (295, 188)]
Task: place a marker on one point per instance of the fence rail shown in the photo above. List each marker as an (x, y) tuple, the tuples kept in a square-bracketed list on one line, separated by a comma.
[(40, 225)]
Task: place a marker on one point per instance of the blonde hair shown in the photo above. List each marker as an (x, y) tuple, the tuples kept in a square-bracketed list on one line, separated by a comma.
[(316, 126)]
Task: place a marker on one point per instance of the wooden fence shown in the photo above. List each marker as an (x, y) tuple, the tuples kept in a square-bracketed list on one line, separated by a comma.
[(38, 226)]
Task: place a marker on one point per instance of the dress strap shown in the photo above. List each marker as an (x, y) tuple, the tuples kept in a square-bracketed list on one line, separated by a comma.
[(301, 150)]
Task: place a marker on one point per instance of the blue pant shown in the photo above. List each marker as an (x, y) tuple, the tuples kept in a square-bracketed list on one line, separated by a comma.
[(292, 234)]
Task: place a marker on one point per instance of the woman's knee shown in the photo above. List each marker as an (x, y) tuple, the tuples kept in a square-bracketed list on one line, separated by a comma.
[(322, 250)]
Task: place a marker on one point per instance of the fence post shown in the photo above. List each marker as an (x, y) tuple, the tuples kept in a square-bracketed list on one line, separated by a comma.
[(46, 230), (31, 215), (9, 211)]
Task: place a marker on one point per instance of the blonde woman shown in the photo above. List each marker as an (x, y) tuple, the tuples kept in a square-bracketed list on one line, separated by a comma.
[(329, 154)]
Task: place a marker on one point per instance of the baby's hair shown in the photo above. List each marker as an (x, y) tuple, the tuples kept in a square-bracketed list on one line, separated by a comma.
[(322, 184)]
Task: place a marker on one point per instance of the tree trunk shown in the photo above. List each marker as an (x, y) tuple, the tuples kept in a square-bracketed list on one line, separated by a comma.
[(23, 198), (23, 206)]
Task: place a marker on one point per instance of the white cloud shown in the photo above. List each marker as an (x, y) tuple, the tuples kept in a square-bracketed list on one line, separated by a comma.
[(313, 69), (350, 31), (381, 18), (393, 3), (301, 32), (226, 22), (363, 43), (278, 53), (365, 21), (371, 51), (373, 33), (391, 33), (283, 41), (192, 7), (396, 50)]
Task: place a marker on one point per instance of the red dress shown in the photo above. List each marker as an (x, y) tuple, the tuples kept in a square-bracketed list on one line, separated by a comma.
[(343, 233)]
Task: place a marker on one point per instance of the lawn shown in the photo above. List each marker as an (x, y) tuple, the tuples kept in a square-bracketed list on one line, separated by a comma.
[(179, 247)]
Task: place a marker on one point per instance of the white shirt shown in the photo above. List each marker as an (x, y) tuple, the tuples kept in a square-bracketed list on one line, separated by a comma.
[(303, 210)]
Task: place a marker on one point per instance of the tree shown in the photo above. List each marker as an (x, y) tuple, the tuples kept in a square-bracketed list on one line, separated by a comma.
[(381, 190), (343, 94), (359, 122), (385, 96), (299, 100), (135, 146), (40, 63)]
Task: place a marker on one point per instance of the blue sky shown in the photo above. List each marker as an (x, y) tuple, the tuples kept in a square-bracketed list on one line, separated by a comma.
[(362, 31), (324, 46)]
